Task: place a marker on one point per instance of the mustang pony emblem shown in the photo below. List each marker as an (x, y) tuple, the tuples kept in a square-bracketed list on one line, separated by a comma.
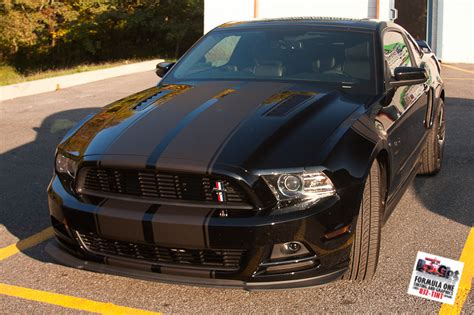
[(220, 191)]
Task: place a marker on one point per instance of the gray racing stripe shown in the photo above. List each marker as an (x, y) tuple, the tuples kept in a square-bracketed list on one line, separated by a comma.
[(180, 227), (147, 223), (96, 215), (142, 138), (158, 151), (122, 220), (118, 161), (186, 272), (206, 228), (202, 137), (128, 264)]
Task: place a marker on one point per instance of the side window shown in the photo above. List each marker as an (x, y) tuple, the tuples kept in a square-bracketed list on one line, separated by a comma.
[(395, 51), (220, 54), (414, 48)]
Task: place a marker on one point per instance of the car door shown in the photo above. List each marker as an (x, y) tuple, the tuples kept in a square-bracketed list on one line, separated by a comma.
[(428, 62), (403, 118)]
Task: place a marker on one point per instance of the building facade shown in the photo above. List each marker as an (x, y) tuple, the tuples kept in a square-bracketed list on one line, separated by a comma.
[(447, 25)]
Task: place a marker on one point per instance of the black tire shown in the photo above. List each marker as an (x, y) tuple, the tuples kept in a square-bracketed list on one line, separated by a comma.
[(366, 245), (432, 155)]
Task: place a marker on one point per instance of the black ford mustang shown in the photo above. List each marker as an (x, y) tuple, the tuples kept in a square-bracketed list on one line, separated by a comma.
[(268, 156)]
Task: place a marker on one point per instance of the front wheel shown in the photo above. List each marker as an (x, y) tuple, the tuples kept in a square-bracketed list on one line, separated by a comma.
[(432, 155), (366, 245)]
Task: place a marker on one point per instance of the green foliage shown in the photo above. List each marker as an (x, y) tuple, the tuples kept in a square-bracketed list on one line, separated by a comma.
[(44, 34), (8, 75)]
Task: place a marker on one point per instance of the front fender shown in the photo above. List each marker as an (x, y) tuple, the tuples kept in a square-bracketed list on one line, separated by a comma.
[(352, 155)]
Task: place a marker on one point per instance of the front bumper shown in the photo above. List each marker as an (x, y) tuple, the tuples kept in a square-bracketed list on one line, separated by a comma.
[(62, 256), (177, 228)]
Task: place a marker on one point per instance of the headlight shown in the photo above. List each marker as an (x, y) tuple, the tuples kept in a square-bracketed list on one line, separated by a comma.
[(299, 188), (65, 165)]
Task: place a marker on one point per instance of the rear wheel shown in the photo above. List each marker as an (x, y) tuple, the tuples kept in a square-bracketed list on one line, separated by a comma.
[(366, 245), (432, 155)]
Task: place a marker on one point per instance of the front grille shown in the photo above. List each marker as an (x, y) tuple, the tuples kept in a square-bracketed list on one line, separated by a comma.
[(225, 259), (157, 185)]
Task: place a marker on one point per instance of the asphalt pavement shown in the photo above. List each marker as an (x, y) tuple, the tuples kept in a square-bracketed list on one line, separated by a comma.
[(435, 216)]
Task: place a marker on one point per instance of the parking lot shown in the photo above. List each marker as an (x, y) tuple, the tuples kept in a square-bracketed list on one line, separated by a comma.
[(435, 216)]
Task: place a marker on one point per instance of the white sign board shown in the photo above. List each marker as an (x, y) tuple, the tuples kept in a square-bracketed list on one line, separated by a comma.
[(435, 278)]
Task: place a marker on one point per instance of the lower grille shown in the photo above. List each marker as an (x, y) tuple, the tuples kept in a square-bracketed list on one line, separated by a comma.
[(225, 259)]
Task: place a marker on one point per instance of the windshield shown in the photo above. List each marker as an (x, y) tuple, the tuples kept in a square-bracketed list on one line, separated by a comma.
[(343, 58)]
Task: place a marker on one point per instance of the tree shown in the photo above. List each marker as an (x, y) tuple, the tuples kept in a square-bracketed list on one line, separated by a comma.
[(39, 34)]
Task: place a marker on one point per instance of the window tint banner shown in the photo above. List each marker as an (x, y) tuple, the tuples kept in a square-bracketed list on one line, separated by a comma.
[(435, 278)]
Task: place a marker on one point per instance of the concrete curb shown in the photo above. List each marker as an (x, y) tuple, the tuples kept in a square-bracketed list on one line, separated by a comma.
[(52, 84)]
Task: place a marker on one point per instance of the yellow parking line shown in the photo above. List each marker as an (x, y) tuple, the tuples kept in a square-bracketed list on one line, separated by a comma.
[(467, 257), (457, 68), (26, 243), (68, 301)]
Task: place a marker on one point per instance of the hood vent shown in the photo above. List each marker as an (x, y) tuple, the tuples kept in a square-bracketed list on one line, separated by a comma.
[(152, 99), (287, 105)]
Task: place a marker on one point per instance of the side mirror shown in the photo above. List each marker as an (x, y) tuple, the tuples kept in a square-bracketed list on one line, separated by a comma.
[(409, 76), (424, 46), (163, 67)]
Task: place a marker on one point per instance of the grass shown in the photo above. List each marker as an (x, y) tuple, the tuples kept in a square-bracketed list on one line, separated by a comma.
[(9, 75)]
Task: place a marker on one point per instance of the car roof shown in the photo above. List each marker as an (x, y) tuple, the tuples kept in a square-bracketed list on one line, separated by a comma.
[(368, 24)]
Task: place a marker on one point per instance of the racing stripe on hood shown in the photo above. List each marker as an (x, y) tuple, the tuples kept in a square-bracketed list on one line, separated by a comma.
[(198, 138), (141, 138), (155, 155)]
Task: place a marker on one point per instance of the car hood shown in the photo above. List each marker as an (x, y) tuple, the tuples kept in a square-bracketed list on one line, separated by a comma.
[(207, 125)]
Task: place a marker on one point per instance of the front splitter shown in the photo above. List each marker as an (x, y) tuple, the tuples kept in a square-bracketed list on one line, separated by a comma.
[(64, 258)]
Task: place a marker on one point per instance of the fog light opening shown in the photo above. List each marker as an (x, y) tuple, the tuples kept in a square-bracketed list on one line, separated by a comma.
[(290, 248), (284, 251), (288, 265), (288, 257)]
